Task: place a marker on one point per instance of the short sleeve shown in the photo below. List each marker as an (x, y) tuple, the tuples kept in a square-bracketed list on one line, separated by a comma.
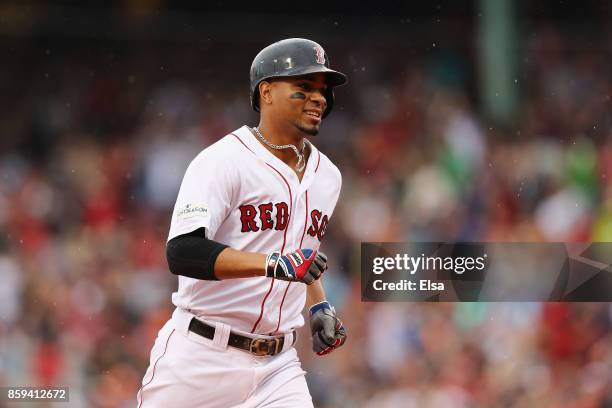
[(205, 196)]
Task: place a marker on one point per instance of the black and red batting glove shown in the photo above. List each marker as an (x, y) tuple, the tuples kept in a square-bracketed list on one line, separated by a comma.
[(327, 330), (303, 265)]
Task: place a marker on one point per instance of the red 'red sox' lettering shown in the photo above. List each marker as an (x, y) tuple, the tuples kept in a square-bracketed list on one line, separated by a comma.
[(265, 213), (261, 218), (315, 229), (282, 216), (247, 216)]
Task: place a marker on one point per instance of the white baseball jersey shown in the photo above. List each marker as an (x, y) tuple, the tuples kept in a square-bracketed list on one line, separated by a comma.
[(250, 200)]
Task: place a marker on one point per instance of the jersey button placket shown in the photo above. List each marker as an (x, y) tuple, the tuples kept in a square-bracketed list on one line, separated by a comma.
[(298, 210), (275, 299), (293, 242)]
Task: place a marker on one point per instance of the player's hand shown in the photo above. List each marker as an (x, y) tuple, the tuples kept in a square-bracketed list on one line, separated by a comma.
[(327, 330), (303, 265)]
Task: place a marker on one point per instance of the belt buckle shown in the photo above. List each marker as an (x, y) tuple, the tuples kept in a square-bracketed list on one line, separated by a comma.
[(264, 347)]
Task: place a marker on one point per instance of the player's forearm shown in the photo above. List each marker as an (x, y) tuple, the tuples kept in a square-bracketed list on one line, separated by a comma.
[(239, 264), (194, 256), (315, 293)]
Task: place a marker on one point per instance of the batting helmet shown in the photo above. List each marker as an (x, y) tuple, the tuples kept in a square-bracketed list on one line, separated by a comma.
[(293, 57)]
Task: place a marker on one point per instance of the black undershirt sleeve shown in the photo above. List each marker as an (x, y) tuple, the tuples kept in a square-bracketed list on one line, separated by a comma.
[(193, 255)]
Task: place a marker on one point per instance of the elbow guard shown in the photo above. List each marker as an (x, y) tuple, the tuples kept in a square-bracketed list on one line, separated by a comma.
[(193, 255)]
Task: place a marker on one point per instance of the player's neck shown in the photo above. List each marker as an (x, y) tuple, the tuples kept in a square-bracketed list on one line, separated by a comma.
[(279, 136)]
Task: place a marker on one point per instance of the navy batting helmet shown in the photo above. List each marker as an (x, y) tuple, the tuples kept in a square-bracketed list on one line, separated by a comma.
[(293, 57)]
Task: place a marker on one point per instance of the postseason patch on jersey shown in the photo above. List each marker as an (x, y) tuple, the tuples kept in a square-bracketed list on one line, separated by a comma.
[(191, 211)]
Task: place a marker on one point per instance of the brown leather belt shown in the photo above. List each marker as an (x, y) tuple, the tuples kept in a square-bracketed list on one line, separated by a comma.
[(259, 347)]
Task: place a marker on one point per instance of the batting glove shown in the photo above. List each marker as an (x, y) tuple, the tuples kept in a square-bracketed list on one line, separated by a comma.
[(327, 330), (303, 265)]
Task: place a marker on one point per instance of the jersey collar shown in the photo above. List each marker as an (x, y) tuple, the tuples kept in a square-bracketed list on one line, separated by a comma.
[(251, 142)]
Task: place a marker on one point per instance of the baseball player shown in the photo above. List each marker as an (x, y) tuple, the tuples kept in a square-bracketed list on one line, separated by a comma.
[(244, 239)]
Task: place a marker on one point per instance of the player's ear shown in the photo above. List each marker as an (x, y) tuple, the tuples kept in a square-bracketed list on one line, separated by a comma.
[(265, 93)]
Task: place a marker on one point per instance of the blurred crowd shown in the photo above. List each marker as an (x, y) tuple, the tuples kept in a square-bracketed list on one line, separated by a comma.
[(94, 146)]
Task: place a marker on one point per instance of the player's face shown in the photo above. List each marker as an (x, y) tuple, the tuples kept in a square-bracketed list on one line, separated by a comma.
[(304, 101)]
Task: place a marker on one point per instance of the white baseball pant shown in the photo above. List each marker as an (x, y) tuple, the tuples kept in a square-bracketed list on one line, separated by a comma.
[(188, 370)]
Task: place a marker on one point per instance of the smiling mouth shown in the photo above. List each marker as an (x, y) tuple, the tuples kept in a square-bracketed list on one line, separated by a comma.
[(314, 114)]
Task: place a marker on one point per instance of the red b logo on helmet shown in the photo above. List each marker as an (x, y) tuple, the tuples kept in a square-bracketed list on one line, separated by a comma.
[(320, 54)]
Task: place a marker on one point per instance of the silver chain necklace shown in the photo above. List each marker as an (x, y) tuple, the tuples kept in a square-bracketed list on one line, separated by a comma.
[(301, 164)]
